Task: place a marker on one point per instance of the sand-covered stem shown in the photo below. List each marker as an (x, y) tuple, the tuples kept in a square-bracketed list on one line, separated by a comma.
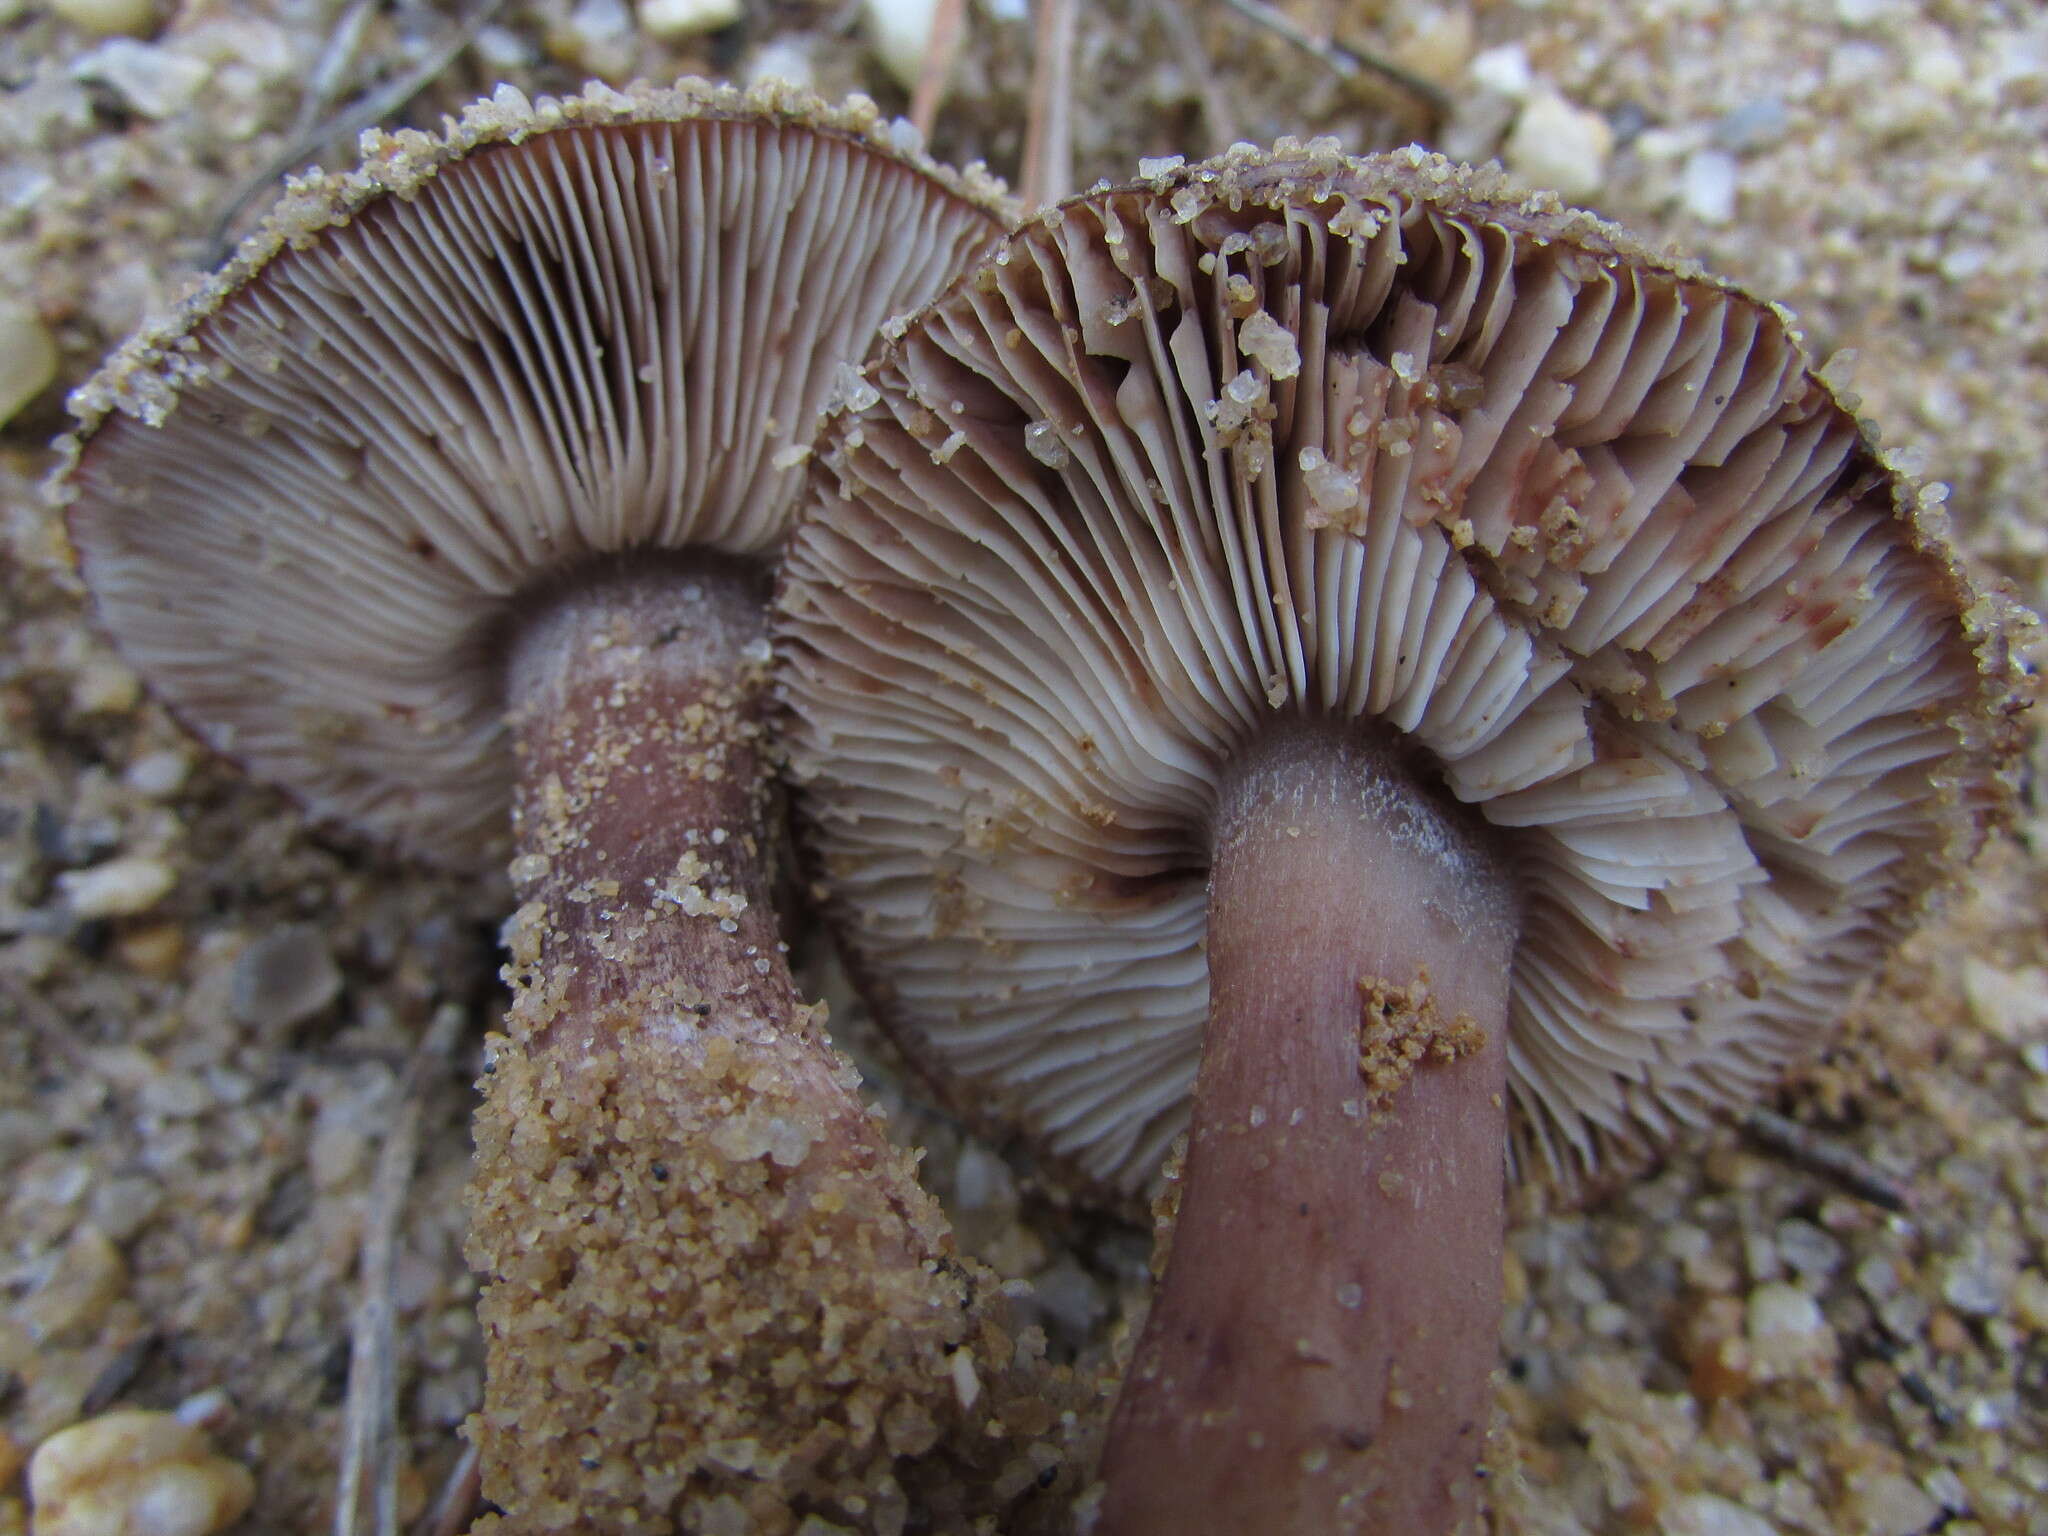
[(1318, 1355), (716, 1297)]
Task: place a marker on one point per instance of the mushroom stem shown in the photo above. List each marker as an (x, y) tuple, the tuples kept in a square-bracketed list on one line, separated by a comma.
[(1317, 1357), (694, 1235)]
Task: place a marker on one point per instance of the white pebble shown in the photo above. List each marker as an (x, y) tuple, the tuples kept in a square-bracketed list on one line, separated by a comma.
[(1267, 342), (966, 1383), (107, 18), (901, 31), (157, 82), (1504, 70), (1560, 146), (1975, 1280), (159, 774), (1438, 44), (28, 358), (1707, 185), (1042, 442), (1888, 1504), (781, 58), (2013, 1005), (1708, 1514), (118, 888), (1787, 1334), (673, 20), (135, 1473)]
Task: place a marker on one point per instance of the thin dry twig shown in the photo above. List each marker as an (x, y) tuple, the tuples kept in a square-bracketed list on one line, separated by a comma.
[(1814, 1151), (460, 1496), (1048, 169), (332, 71), (937, 67), (370, 1423), (366, 111), (1345, 63), (1219, 119)]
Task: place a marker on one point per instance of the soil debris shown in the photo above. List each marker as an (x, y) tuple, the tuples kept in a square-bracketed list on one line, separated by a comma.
[(1401, 1028)]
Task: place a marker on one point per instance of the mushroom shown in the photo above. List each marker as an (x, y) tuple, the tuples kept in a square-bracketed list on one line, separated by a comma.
[(1399, 683), (456, 491)]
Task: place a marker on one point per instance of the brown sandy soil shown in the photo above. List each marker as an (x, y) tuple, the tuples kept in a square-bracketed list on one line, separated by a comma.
[(206, 1008)]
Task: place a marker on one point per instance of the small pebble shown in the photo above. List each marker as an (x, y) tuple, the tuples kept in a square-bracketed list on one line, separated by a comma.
[(123, 1207), (1787, 1334), (158, 775), (283, 979), (1889, 1504), (901, 31), (105, 687), (674, 20), (1707, 1514), (2030, 1300), (1505, 71), (981, 1180), (1707, 185), (1559, 146), (135, 1473), (1807, 1249), (157, 82), (1270, 344), (157, 950), (118, 888), (1973, 1281), (28, 358), (1438, 43), (1753, 126), (2013, 1005), (90, 1276)]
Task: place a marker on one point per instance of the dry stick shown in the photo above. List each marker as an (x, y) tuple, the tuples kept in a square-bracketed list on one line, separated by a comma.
[(1048, 170), (1219, 119), (369, 1433), (460, 1497), (366, 111), (1807, 1148), (1346, 63), (939, 51)]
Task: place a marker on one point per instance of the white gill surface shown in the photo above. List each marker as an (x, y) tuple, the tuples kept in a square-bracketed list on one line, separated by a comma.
[(1617, 561), (308, 509)]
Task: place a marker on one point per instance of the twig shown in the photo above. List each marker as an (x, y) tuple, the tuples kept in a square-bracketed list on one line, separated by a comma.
[(1345, 63), (367, 110), (1048, 170), (937, 67), (337, 62), (370, 1425), (1810, 1149), (452, 1512), (1218, 118)]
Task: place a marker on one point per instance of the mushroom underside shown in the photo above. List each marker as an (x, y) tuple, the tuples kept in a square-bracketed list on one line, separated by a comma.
[(1358, 440)]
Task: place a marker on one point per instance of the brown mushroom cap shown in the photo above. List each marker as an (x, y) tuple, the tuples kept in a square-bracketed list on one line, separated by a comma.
[(310, 503), (1373, 440)]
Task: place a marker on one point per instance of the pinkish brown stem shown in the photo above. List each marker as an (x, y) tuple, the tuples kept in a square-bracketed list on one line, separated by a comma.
[(710, 1277), (1317, 1358)]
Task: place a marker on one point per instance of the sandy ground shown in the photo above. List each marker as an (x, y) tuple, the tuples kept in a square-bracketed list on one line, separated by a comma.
[(208, 1009)]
